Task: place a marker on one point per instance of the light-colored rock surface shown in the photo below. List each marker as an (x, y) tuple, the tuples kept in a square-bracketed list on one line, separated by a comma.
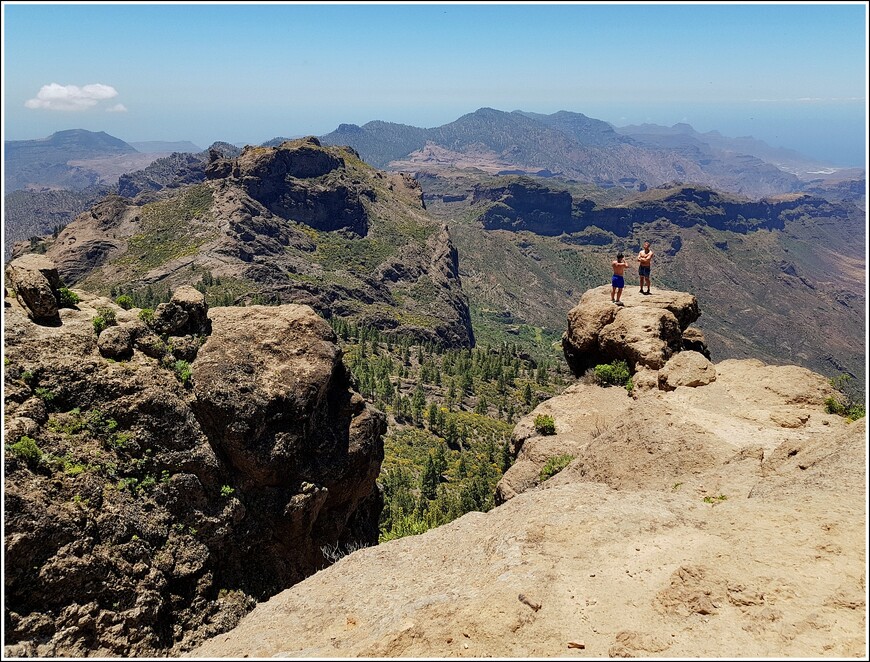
[(687, 368), (726, 520), (35, 281), (645, 331)]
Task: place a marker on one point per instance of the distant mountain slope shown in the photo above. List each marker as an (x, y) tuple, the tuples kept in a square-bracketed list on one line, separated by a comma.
[(29, 214), (570, 145), (43, 162), (585, 130), (175, 170), (160, 146), (299, 223), (682, 136), (781, 279), (378, 142)]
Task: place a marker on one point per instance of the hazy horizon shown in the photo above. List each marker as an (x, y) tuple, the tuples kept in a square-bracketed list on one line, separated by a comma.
[(791, 75)]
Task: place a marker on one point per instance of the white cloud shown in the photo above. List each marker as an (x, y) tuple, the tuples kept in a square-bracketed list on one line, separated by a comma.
[(117, 108), (71, 97)]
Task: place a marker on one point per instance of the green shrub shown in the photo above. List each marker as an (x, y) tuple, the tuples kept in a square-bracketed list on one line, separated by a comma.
[(44, 394), (67, 298), (848, 403), (834, 406), (26, 449), (125, 301), (99, 424), (554, 465), (104, 319), (615, 373), (226, 491), (183, 371), (146, 315), (545, 424)]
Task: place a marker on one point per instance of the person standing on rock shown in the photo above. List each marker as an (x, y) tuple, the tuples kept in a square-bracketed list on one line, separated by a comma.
[(644, 259), (618, 281)]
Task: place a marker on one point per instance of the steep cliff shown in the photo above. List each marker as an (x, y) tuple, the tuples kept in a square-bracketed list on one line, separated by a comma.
[(165, 471)]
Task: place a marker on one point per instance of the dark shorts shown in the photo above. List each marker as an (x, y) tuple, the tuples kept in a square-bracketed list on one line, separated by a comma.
[(643, 271), (617, 281)]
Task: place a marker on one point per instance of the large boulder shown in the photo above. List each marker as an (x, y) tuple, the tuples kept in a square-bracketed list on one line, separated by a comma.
[(645, 331), (35, 282), (687, 368), (275, 399)]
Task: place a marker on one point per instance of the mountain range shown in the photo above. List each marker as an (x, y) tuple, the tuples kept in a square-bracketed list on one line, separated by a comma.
[(575, 147), (526, 241)]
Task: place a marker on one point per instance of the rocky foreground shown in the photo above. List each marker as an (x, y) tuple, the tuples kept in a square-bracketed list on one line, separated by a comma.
[(717, 511), (166, 469)]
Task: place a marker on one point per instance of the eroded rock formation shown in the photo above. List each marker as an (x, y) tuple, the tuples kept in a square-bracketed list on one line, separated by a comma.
[(645, 331), (734, 506), (167, 473)]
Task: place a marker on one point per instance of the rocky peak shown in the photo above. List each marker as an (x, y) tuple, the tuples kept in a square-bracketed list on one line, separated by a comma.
[(645, 331), (290, 181), (296, 223)]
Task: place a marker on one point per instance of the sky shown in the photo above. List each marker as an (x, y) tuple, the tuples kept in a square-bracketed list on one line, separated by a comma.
[(793, 75)]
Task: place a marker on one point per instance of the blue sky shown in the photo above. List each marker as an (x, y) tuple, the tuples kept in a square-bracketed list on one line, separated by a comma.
[(793, 75)]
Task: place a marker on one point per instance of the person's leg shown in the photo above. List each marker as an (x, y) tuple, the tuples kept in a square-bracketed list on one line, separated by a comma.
[(612, 292), (618, 294)]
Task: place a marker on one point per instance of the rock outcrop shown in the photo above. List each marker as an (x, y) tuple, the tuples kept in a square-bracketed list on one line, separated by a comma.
[(524, 204), (36, 284), (645, 331), (165, 473), (704, 517)]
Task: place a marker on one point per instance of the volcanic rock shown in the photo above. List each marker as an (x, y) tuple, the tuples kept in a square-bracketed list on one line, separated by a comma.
[(150, 503)]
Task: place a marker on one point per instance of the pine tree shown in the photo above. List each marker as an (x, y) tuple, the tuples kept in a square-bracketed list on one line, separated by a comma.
[(433, 419), (506, 459), (527, 394), (462, 467), (430, 479), (440, 460)]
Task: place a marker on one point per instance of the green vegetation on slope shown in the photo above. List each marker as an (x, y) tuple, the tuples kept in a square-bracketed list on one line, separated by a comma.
[(450, 413), (170, 229)]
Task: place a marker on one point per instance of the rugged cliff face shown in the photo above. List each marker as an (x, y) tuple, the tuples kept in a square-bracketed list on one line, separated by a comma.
[(524, 204), (299, 223), (164, 472)]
